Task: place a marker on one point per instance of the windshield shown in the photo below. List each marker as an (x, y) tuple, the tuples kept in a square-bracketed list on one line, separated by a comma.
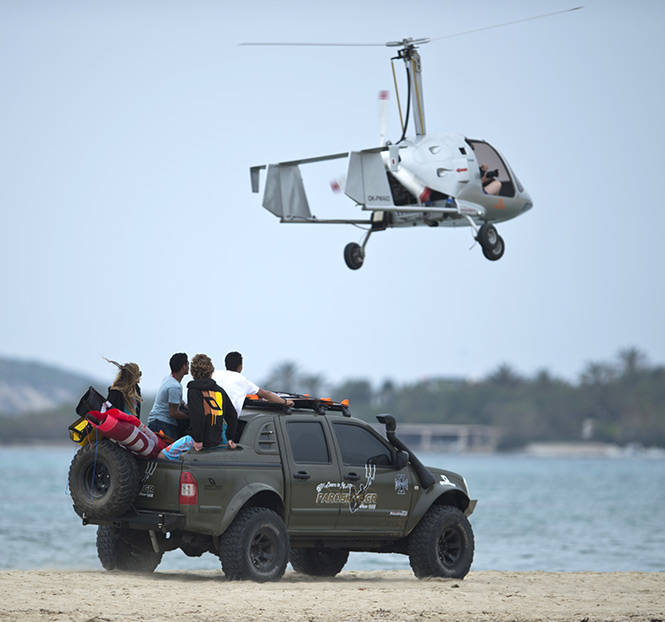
[(487, 155)]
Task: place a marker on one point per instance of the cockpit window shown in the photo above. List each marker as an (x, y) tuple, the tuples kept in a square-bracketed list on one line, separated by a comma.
[(488, 157)]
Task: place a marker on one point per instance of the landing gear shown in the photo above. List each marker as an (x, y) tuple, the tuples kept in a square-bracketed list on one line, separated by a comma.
[(354, 255), (491, 242), (496, 251)]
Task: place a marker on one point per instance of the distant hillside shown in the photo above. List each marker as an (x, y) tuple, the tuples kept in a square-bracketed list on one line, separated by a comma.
[(27, 386)]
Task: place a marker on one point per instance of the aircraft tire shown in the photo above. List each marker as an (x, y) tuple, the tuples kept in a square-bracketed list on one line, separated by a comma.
[(495, 252), (353, 255), (487, 236)]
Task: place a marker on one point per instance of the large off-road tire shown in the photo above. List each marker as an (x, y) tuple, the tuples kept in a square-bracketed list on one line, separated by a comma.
[(128, 550), (255, 546), (319, 562), (441, 545), (103, 480)]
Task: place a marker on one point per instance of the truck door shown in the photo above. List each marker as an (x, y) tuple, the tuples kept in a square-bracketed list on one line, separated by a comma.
[(310, 470), (380, 493)]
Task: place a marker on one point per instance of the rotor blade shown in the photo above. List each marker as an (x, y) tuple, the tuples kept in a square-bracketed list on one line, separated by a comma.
[(517, 21), (409, 41), (319, 44), (391, 44)]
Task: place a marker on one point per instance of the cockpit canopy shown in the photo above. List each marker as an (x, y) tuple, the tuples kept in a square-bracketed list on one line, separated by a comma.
[(486, 154)]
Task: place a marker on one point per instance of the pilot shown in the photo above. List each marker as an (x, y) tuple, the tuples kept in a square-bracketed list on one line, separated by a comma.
[(491, 185)]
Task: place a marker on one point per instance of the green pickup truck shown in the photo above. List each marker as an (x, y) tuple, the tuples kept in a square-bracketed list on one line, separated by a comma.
[(305, 485)]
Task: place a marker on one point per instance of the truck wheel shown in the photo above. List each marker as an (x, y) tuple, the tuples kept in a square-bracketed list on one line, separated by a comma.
[(103, 480), (255, 546), (319, 562), (441, 545), (130, 550)]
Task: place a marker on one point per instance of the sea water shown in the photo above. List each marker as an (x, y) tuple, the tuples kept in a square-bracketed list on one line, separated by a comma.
[(550, 514)]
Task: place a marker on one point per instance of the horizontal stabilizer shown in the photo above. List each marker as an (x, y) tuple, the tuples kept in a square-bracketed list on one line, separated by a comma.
[(284, 194)]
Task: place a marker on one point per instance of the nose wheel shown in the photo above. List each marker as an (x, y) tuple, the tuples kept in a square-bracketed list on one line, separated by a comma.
[(491, 242)]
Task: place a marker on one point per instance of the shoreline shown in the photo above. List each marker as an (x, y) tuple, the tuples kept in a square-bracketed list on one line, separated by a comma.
[(354, 596), (556, 450)]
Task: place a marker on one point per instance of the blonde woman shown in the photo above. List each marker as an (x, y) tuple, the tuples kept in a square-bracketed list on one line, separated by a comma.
[(125, 393)]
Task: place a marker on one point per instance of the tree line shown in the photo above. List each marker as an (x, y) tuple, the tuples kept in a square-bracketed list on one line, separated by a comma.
[(621, 401)]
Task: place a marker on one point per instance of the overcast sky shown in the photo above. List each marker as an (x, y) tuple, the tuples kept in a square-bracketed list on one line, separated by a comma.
[(129, 229)]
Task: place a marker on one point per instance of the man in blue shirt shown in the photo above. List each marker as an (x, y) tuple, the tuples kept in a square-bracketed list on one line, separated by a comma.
[(168, 408)]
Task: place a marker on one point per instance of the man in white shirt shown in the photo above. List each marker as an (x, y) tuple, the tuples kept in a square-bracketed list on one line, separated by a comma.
[(238, 387)]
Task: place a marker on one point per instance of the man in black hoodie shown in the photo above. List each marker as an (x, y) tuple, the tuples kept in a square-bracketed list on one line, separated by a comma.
[(209, 410)]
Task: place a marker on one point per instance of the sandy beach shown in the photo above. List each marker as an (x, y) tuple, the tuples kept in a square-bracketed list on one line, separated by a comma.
[(57, 595)]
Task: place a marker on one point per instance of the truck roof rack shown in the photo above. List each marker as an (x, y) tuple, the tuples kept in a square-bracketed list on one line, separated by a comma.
[(319, 405)]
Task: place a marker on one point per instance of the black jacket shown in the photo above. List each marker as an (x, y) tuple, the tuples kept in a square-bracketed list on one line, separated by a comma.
[(117, 400), (209, 406)]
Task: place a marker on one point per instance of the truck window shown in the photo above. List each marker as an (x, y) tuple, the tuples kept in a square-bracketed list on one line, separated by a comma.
[(308, 442), (359, 446)]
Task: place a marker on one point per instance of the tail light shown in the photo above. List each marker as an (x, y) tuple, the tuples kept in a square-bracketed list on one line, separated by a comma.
[(189, 489)]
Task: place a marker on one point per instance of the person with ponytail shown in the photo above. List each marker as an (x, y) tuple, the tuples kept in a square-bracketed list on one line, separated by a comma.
[(125, 392)]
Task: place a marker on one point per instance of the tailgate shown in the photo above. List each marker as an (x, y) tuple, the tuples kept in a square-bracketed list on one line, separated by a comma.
[(160, 485)]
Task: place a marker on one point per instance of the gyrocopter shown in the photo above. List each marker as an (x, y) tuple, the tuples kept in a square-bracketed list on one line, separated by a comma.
[(434, 180)]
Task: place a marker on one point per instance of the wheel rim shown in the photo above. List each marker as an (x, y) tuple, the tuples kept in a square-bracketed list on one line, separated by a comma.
[(97, 480), (262, 550), (492, 236), (450, 546), (497, 248)]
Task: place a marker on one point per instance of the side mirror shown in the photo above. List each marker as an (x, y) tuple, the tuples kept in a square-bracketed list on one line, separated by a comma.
[(401, 459)]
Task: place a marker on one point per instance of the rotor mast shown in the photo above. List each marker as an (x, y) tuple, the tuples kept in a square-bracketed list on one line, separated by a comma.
[(413, 64)]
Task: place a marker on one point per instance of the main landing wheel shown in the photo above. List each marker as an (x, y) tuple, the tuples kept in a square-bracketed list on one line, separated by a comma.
[(354, 255), (487, 235), (491, 242), (496, 251)]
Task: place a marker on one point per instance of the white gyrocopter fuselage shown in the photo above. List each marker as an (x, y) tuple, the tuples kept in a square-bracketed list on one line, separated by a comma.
[(430, 180)]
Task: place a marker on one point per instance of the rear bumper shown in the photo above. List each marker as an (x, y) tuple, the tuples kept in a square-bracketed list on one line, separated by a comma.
[(148, 521)]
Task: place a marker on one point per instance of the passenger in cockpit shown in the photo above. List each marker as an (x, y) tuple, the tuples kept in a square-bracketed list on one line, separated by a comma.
[(491, 185)]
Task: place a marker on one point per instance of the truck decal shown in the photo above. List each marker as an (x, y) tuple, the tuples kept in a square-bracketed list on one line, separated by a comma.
[(357, 497), (148, 490), (401, 484), (446, 482), (150, 469)]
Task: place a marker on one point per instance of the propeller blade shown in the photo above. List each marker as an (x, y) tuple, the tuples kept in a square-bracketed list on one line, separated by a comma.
[(383, 114), (338, 184)]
